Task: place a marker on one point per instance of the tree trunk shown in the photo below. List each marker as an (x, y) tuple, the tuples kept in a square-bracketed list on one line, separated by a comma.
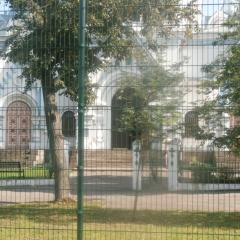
[(56, 145)]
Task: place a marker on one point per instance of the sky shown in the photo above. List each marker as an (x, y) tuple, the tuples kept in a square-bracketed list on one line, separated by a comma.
[(3, 5), (211, 6)]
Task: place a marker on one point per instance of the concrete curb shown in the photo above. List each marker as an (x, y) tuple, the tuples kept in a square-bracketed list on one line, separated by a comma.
[(26, 182)]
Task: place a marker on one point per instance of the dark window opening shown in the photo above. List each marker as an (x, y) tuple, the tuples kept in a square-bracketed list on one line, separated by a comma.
[(191, 124), (68, 124)]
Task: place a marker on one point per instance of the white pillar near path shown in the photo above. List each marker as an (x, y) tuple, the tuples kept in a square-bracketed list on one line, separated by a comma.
[(172, 155), (66, 153), (136, 166)]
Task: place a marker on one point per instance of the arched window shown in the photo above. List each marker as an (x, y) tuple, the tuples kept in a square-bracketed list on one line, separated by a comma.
[(68, 124), (191, 124)]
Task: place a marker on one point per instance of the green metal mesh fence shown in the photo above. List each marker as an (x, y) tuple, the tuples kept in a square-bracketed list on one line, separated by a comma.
[(119, 119)]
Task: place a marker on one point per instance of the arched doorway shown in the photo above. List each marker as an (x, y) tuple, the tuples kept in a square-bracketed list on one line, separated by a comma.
[(18, 125), (121, 138)]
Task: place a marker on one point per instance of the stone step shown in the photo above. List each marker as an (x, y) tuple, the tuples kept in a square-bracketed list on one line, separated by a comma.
[(108, 158)]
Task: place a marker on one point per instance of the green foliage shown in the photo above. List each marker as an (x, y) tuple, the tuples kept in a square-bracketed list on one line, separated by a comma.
[(149, 101), (45, 36), (202, 172), (226, 174), (225, 73), (29, 173), (209, 171)]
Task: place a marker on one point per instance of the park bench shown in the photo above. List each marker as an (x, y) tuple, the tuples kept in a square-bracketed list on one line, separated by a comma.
[(11, 167)]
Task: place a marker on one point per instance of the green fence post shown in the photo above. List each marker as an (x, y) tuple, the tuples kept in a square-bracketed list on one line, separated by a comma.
[(81, 108)]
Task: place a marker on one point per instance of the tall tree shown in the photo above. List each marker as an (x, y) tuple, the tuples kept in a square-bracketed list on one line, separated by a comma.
[(149, 101), (44, 41), (148, 104), (224, 88)]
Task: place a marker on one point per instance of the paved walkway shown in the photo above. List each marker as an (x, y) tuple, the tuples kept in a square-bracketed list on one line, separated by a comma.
[(115, 192), (228, 202)]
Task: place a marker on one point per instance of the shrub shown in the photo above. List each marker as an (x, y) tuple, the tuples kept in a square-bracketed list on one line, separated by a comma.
[(202, 172)]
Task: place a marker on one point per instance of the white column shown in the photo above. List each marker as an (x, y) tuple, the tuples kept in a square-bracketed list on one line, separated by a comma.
[(173, 166), (136, 164)]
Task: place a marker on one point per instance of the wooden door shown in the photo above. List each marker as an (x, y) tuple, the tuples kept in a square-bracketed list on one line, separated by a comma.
[(18, 125)]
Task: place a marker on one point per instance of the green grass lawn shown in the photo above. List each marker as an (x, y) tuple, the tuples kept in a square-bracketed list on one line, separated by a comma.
[(58, 222), (29, 173)]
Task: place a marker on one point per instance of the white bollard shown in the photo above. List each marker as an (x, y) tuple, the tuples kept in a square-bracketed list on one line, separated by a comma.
[(173, 166), (136, 164)]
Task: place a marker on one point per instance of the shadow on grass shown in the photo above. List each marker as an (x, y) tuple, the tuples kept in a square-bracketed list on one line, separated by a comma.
[(51, 213), (166, 218)]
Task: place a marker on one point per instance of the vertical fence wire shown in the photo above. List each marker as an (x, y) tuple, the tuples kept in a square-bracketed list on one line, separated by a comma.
[(81, 108)]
